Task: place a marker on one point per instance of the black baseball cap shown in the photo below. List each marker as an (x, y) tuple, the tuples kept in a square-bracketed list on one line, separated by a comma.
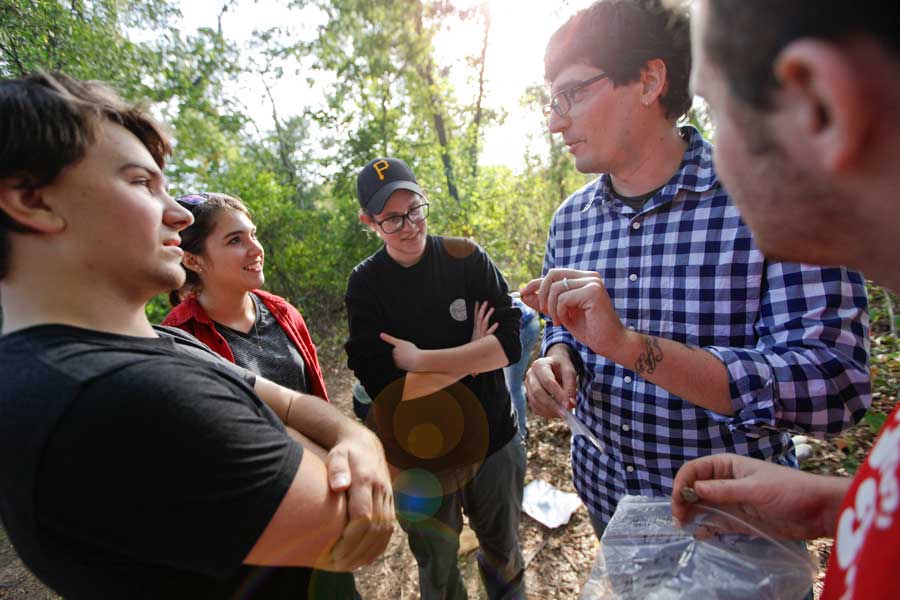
[(380, 178)]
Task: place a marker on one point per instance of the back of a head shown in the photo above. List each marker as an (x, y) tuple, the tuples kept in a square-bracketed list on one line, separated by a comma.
[(620, 37), (48, 121), (744, 37)]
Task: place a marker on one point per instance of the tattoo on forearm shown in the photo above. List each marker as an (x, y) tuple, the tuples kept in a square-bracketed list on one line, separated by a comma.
[(648, 361)]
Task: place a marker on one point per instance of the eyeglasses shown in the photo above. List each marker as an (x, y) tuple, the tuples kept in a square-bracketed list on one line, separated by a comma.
[(193, 199), (416, 214), (562, 102)]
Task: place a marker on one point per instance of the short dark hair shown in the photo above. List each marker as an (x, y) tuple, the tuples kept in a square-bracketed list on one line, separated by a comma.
[(193, 238), (621, 37), (48, 121), (744, 37)]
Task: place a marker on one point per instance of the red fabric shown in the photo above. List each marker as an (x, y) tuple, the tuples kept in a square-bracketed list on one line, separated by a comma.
[(865, 558), (191, 317)]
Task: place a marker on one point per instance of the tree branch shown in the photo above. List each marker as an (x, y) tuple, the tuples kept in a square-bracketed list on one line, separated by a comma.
[(13, 56), (426, 72), (889, 302), (283, 153), (476, 121)]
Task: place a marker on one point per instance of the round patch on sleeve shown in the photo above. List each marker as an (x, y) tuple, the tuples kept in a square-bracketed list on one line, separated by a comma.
[(458, 309)]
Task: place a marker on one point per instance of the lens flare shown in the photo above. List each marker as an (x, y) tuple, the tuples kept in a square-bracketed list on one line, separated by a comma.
[(417, 494)]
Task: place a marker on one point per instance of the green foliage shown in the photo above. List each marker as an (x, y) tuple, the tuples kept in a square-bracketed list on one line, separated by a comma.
[(158, 308), (875, 421), (883, 314), (85, 39), (850, 464), (700, 118), (389, 97)]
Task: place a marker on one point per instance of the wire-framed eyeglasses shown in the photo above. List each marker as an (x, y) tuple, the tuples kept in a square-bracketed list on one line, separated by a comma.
[(415, 215), (562, 102)]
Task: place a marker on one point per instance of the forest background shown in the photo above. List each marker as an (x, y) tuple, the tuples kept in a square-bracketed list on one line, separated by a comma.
[(378, 85), (385, 93)]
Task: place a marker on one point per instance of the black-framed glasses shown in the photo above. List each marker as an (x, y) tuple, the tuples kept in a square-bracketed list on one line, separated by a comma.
[(193, 199), (562, 102), (416, 214)]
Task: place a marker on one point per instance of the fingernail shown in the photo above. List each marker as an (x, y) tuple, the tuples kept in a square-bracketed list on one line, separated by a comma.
[(340, 480)]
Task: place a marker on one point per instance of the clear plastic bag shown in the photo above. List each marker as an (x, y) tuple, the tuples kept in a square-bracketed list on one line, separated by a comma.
[(645, 555)]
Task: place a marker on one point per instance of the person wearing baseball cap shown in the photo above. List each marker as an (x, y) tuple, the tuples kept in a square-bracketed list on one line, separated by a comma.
[(431, 328), (381, 178)]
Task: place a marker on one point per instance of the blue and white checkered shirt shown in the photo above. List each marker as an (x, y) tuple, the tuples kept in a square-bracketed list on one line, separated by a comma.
[(794, 338)]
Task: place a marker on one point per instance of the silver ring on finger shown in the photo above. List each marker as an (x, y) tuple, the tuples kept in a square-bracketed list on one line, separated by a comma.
[(566, 282)]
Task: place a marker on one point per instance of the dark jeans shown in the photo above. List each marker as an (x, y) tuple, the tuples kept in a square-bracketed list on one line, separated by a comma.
[(493, 502), (361, 402), (326, 585)]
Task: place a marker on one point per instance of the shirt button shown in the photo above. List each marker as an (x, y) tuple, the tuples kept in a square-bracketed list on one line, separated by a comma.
[(626, 428), (630, 469), (627, 379), (633, 277), (636, 225)]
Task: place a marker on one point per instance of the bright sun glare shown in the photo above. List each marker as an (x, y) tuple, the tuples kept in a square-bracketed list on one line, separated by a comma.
[(519, 33)]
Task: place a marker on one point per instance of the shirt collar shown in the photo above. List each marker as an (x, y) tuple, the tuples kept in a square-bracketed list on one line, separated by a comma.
[(695, 174), (187, 310)]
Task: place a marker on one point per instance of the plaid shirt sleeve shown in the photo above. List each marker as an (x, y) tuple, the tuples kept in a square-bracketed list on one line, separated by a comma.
[(553, 334), (809, 369)]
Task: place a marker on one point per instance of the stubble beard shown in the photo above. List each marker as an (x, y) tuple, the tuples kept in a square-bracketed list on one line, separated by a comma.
[(788, 209), (165, 279)]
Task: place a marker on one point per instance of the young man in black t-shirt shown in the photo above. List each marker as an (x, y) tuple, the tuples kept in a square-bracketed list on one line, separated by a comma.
[(136, 465), (431, 328)]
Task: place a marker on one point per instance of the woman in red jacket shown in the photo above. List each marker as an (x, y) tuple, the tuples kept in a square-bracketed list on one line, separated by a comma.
[(221, 304)]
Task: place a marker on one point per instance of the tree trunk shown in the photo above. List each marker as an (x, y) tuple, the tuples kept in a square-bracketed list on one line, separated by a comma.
[(476, 122), (426, 72)]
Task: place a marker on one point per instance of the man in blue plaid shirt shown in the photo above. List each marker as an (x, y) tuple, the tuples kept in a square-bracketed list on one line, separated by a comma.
[(672, 335)]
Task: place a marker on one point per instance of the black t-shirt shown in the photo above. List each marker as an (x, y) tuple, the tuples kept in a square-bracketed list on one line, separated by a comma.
[(138, 468), (431, 304), (185, 343), (267, 350), (636, 202)]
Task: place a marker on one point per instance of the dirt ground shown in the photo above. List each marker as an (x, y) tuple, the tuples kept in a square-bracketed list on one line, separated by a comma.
[(17, 582), (558, 560)]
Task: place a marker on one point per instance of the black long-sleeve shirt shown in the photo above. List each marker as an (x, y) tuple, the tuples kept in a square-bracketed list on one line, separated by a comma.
[(431, 304)]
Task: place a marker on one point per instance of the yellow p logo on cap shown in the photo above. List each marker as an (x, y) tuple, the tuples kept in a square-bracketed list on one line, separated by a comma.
[(380, 167)]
